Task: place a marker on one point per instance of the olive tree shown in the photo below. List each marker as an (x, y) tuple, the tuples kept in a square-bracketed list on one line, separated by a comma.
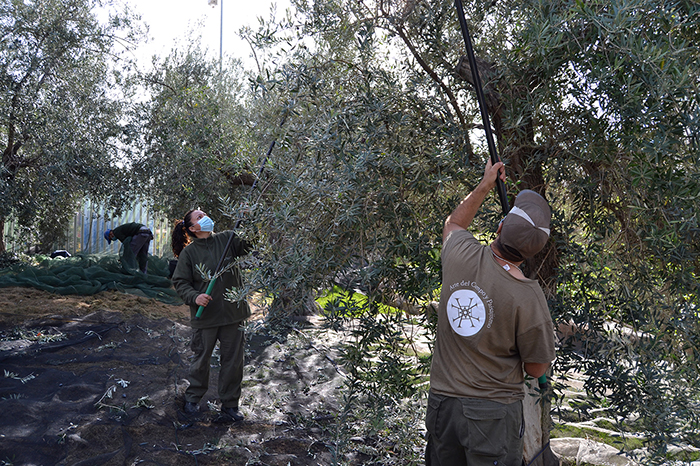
[(191, 131), (594, 105), (61, 110)]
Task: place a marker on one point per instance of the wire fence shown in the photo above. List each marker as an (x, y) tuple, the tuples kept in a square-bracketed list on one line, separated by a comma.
[(86, 232)]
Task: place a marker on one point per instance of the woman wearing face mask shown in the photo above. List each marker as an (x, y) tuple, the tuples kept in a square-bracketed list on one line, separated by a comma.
[(221, 320)]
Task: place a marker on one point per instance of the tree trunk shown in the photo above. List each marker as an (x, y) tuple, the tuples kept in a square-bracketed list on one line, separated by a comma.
[(2, 235)]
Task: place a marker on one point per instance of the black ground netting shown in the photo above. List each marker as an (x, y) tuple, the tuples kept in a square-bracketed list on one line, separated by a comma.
[(80, 398), (90, 274), (107, 389)]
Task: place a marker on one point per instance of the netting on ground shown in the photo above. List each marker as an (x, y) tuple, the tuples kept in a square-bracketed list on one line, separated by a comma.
[(76, 390), (89, 274), (106, 388)]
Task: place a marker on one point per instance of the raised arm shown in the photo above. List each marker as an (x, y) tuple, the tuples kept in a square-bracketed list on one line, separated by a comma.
[(462, 216)]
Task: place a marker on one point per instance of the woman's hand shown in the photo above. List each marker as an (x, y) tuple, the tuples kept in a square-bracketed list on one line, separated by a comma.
[(202, 300)]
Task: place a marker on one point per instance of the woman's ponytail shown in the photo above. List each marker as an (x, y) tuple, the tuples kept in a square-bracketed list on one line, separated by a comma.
[(181, 234)]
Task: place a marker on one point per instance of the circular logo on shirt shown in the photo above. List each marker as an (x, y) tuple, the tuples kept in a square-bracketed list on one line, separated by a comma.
[(466, 312)]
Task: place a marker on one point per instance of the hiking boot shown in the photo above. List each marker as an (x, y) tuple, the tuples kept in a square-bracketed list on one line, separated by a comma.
[(191, 408), (233, 413)]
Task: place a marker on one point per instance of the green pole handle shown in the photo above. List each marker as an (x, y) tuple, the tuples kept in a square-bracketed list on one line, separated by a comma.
[(209, 288), (542, 380)]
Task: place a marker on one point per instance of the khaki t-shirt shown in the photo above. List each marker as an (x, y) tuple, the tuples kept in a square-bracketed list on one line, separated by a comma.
[(489, 323)]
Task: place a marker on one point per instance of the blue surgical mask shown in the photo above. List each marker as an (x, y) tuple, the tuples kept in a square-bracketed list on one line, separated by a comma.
[(206, 224)]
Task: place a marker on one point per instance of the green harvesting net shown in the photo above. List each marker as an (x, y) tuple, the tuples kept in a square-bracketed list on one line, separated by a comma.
[(90, 274)]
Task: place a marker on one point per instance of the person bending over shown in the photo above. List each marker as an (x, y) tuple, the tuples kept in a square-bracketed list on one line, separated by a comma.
[(137, 237)]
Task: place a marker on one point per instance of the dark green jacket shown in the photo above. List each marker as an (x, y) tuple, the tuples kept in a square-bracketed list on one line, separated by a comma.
[(122, 232), (189, 283)]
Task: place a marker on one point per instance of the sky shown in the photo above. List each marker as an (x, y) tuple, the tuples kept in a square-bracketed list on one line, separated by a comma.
[(170, 20)]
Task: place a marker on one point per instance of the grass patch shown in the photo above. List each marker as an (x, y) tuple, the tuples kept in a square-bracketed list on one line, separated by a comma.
[(684, 456), (620, 442), (347, 302)]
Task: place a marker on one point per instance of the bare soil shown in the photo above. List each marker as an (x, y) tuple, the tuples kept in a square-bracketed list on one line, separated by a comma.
[(98, 380)]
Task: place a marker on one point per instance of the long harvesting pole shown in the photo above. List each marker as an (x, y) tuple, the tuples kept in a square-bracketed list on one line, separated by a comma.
[(500, 187), (210, 287)]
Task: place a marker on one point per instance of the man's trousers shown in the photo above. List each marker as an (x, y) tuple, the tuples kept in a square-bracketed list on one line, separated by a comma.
[(473, 432)]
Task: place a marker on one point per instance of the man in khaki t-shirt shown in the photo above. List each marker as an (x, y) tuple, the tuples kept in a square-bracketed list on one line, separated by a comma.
[(493, 322)]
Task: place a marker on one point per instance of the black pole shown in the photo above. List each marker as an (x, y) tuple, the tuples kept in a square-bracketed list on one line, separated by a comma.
[(252, 188), (500, 187)]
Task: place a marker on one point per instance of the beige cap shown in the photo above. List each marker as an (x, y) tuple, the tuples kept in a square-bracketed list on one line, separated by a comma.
[(526, 227)]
